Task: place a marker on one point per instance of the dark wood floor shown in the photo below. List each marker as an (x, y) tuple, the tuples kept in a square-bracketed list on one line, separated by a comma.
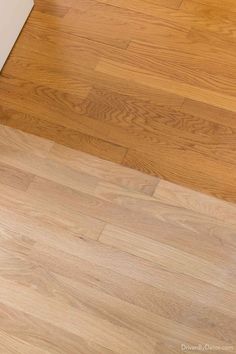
[(148, 84)]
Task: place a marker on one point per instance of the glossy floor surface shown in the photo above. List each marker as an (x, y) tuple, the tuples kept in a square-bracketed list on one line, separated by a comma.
[(149, 84), (97, 258)]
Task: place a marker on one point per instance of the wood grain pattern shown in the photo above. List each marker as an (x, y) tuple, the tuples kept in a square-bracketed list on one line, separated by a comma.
[(148, 7), (148, 84), (14, 177), (169, 167), (167, 222), (97, 258), (106, 171), (148, 78), (175, 195), (165, 256), (217, 3)]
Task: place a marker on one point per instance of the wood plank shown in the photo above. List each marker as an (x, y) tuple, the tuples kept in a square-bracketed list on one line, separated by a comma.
[(47, 73), (47, 7), (166, 229), (203, 7), (24, 142), (169, 167), (46, 168), (86, 29), (80, 296), (148, 78), (123, 287), (215, 40), (148, 7), (10, 345), (168, 257), (210, 113), (157, 129), (125, 264), (48, 256), (189, 58), (50, 129), (79, 322), (184, 224), (129, 24), (14, 177), (33, 214), (105, 170), (81, 52), (46, 336), (155, 123), (179, 196), (226, 4)]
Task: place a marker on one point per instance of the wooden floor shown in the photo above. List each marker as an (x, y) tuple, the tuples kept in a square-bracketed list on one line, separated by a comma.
[(149, 84), (100, 258)]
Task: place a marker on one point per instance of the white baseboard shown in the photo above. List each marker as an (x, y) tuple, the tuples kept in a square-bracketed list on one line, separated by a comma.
[(13, 14)]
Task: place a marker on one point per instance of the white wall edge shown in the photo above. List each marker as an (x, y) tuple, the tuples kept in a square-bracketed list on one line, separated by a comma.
[(13, 14)]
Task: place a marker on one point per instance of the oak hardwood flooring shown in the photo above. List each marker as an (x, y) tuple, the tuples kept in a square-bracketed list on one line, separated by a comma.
[(217, 3), (148, 84), (99, 258), (203, 173)]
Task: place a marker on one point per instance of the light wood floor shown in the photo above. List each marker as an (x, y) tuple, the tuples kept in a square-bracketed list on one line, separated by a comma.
[(150, 84), (100, 258)]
